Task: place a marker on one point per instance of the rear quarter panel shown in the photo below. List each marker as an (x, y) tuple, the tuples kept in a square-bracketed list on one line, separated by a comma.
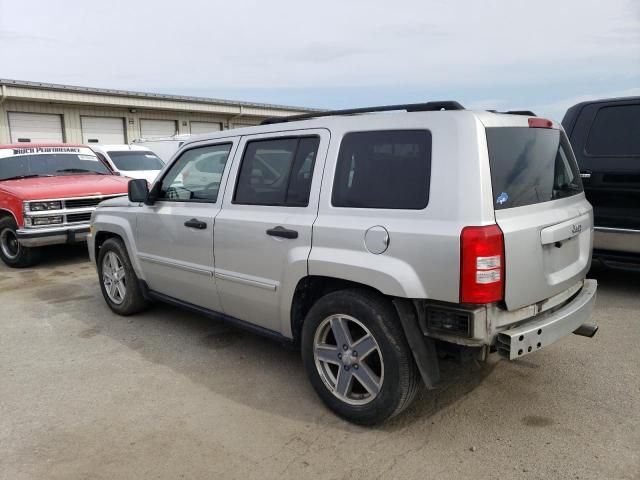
[(422, 260)]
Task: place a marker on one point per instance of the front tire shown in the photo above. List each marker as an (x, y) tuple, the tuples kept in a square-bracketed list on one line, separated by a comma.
[(118, 280), (357, 357), (12, 253)]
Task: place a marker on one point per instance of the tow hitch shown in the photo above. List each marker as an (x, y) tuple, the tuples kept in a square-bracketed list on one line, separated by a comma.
[(586, 330)]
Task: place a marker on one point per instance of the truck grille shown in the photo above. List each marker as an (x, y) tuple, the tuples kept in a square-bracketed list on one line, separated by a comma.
[(83, 202), (78, 217)]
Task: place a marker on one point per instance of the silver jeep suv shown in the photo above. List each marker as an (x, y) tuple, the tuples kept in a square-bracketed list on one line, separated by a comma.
[(372, 240)]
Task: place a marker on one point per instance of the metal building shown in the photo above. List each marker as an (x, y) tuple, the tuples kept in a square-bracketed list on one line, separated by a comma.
[(44, 112)]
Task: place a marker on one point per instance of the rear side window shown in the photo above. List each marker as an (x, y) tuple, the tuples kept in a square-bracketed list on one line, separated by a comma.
[(615, 132), (277, 172), (383, 169), (530, 165)]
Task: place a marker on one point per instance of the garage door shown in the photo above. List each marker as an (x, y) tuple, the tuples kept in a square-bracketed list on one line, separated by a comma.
[(105, 130), (205, 127), (35, 127), (157, 128)]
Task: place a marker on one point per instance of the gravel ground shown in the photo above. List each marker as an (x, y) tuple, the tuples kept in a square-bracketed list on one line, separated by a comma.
[(169, 394)]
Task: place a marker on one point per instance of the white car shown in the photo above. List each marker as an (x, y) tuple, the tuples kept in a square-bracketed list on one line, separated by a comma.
[(164, 147), (131, 160)]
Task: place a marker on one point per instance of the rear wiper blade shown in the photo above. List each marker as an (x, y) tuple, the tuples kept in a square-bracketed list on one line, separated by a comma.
[(78, 170), (20, 177), (569, 186)]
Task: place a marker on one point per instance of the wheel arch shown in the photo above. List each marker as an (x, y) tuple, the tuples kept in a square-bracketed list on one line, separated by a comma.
[(309, 290), (313, 287), (107, 226), (101, 237), (4, 213)]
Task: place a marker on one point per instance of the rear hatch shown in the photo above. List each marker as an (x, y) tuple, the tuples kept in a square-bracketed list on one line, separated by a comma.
[(541, 208)]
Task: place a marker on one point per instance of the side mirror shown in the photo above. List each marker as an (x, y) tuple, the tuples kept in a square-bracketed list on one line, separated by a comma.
[(138, 190)]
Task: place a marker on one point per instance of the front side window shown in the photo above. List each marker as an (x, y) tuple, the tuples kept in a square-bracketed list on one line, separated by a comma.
[(277, 172), (196, 175), (383, 169)]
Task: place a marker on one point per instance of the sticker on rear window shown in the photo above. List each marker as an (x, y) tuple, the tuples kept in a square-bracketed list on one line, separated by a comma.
[(502, 198)]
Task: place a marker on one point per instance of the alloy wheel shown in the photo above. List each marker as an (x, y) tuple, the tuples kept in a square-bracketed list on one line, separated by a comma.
[(113, 278), (348, 359)]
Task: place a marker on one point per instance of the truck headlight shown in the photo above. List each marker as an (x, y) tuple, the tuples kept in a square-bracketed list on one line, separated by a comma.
[(42, 206), (42, 221)]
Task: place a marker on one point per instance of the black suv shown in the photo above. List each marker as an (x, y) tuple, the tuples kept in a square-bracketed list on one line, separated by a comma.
[(605, 135)]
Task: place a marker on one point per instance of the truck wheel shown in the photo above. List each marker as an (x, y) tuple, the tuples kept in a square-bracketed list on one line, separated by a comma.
[(357, 357), (118, 280), (11, 252)]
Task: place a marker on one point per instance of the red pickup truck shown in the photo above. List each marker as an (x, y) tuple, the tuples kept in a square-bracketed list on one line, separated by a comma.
[(47, 194)]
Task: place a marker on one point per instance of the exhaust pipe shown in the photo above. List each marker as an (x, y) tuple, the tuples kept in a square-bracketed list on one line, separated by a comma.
[(586, 330)]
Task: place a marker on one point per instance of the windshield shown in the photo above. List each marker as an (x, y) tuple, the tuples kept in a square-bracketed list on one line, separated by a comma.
[(530, 165), (132, 160), (50, 164)]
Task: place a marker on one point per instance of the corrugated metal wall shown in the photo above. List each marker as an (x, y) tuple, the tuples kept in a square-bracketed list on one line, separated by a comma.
[(71, 117)]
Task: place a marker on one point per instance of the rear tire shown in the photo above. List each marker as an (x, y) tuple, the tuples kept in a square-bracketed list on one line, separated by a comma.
[(118, 280), (12, 253), (381, 379)]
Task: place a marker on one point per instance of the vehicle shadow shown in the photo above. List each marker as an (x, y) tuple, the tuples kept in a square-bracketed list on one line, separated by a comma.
[(62, 261), (250, 370), (256, 372), (63, 255), (616, 287)]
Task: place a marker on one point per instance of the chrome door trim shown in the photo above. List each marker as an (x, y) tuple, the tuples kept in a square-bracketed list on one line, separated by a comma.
[(247, 281), (181, 266), (622, 231)]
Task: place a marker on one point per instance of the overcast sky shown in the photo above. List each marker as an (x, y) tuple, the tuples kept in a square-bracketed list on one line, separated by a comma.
[(536, 54)]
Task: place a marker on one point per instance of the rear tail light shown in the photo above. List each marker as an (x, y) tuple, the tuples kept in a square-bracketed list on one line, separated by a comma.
[(540, 123), (481, 264)]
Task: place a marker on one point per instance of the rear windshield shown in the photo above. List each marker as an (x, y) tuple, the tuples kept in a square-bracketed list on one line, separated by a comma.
[(132, 160), (530, 165)]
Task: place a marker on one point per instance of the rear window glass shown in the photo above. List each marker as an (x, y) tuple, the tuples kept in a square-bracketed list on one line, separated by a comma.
[(530, 165), (615, 132), (383, 169), (136, 160)]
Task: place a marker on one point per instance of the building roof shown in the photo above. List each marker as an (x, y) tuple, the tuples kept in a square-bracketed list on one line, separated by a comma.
[(43, 145), (55, 87)]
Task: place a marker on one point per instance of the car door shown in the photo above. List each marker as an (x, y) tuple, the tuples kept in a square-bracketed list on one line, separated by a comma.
[(263, 232), (175, 234)]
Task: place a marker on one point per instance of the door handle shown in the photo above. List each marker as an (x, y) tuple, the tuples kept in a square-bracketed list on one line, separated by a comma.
[(282, 232), (586, 174), (195, 223)]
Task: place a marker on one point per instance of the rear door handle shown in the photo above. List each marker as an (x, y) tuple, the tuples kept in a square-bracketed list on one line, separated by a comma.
[(195, 223), (585, 174), (282, 232)]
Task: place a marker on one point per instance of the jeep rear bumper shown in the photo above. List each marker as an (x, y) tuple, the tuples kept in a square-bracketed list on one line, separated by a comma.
[(547, 328), (39, 237)]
